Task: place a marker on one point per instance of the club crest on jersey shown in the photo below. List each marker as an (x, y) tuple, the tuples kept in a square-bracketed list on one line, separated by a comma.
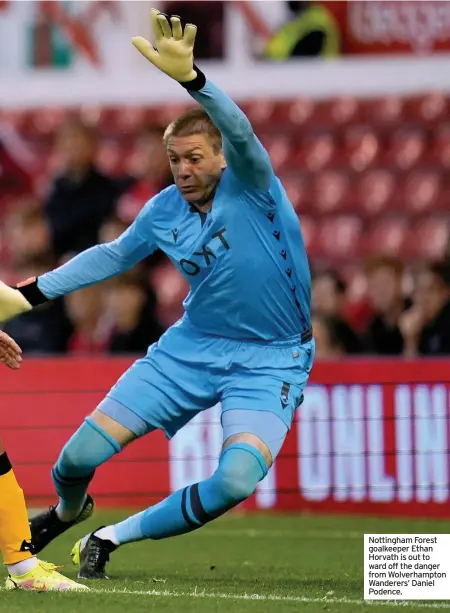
[(175, 234)]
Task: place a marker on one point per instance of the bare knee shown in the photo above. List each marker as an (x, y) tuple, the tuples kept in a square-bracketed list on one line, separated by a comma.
[(254, 441), (112, 427)]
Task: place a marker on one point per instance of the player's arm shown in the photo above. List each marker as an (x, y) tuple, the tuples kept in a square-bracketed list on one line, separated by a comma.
[(89, 267), (244, 153)]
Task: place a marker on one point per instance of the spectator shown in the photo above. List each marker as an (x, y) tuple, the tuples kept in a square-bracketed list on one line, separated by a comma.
[(82, 197), (131, 305), (45, 329), (312, 32), (426, 326), (27, 235), (385, 292), (327, 337), (329, 300), (151, 171), (91, 328)]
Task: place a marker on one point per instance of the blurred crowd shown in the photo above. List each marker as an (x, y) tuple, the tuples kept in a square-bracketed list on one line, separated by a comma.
[(79, 207), (396, 311)]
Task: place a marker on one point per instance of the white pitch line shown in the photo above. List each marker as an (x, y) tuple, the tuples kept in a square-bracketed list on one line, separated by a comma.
[(263, 597), (250, 532)]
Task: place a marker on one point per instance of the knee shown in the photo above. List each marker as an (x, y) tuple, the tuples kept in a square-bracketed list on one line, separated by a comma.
[(237, 485), (71, 461)]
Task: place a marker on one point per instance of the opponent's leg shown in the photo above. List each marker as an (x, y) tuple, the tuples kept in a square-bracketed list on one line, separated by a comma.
[(244, 461), (25, 570), (97, 440)]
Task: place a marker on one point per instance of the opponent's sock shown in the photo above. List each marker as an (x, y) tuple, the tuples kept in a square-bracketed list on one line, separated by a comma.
[(21, 568), (107, 534), (88, 448), (15, 536), (240, 469)]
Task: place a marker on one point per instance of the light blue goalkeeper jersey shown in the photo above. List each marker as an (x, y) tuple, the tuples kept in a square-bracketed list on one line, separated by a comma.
[(245, 259)]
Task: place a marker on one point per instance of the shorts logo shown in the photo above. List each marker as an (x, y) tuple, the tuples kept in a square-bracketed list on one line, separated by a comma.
[(175, 234), (285, 394)]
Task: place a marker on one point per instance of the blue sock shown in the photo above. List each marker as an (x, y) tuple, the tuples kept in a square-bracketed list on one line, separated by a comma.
[(89, 447), (240, 469)]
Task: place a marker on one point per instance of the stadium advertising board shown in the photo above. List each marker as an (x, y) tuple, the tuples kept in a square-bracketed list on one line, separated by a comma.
[(372, 436)]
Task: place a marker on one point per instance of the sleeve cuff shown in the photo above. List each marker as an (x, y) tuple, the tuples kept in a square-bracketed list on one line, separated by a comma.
[(31, 292), (196, 84)]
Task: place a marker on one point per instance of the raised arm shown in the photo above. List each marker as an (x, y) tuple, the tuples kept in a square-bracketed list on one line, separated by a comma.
[(89, 267), (174, 56), (243, 151)]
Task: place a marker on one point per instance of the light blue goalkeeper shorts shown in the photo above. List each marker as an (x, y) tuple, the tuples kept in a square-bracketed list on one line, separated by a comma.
[(188, 371)]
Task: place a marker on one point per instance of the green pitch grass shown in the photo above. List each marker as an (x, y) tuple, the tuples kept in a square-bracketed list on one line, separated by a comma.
[(260, 564)]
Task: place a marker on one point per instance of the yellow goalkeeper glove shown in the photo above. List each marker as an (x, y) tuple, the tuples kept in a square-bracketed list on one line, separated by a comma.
[(174, 53), (15, 301)]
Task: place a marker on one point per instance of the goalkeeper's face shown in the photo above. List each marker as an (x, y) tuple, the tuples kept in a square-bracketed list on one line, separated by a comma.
[(196, 166)]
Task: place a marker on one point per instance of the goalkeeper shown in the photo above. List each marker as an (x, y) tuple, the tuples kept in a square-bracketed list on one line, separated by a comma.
[(245, 339), (25, 570)]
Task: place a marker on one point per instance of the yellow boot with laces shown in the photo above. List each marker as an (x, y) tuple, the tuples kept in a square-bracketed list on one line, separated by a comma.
[(44, 577)]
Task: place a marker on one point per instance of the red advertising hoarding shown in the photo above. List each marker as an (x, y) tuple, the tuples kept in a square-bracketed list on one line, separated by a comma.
[(372, 436), (389, 26)]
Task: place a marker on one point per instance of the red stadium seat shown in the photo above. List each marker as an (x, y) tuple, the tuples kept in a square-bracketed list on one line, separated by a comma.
[(329, 192), (361, 147), (344, 110), (260, 112), (428, 108), (387, 236), (280, 151), (420, 191), (405, 149), (298, 193), (130, 119), (383, 112), (439, 153), (309, 232), (374, 192), (334, 112), (294, 113), (316, 152), (339, 237), (429, 238)]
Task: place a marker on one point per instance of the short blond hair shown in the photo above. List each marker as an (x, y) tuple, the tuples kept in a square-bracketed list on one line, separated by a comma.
[(194, 121)]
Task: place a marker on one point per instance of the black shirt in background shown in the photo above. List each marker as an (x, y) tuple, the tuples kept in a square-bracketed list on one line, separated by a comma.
[(384, 338), (435, 336), (75, 210)]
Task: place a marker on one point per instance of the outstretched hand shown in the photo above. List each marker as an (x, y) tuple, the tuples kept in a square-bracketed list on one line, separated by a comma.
[(10, 352), (174, 52)]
